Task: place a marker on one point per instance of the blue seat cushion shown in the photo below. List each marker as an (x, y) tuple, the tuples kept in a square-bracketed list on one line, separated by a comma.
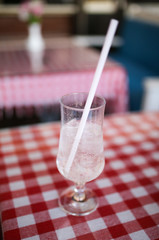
[(136, 75), (141, 42)]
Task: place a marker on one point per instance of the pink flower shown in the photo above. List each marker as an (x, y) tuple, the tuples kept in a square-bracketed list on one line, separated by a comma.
[(36, 8), (31, 10)]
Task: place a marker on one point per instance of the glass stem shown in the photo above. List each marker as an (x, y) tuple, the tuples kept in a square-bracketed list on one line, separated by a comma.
[(79, 193)]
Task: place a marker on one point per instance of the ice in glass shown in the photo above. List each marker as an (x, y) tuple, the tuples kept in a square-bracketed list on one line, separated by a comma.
[(89, 161)]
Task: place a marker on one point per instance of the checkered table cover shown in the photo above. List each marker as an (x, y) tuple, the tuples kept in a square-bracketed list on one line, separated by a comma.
[(39, 90), (127, 190), (67, 68), (16, 62)]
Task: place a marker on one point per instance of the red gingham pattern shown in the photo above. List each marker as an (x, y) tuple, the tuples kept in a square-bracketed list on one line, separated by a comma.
[(66, 70), (127, 189), (15, 62), (37, 90), (71, 58)]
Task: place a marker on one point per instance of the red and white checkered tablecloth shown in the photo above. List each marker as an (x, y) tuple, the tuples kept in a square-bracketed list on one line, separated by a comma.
[(32, 90), (127, 190), (60, 59), (65, 70)]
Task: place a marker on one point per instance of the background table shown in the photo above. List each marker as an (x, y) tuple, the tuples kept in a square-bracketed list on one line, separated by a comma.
[(67, 68), (127, 189)]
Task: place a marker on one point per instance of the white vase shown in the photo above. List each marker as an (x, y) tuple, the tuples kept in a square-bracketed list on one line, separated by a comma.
[(35, 46)]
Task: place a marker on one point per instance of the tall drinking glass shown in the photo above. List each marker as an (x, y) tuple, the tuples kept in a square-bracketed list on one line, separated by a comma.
[(89, 160)]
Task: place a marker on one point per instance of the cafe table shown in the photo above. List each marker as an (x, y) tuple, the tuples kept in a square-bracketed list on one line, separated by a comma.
[(127, 190), (67, 67)]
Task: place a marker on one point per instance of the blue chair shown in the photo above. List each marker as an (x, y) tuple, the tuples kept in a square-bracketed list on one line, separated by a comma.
[(139, 54)]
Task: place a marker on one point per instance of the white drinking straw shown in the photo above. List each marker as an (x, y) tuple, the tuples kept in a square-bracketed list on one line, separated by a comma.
[(104, 53)]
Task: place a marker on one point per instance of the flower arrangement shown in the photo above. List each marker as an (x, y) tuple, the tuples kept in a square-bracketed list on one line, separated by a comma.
[(31, 11)]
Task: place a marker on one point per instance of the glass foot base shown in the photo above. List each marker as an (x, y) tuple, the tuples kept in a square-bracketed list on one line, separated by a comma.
[(70, 205)]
